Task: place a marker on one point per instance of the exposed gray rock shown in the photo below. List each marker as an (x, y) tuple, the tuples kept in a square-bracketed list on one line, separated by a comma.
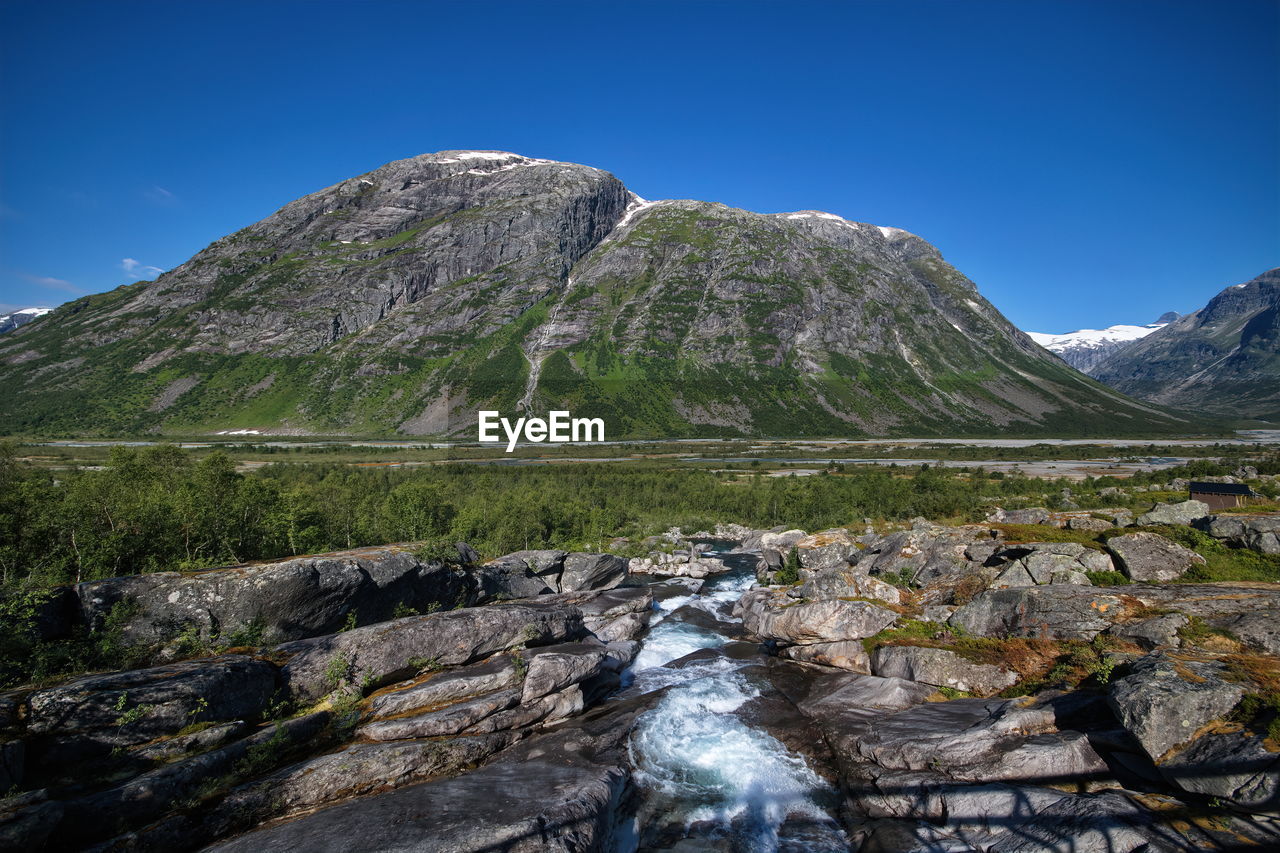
[(956, 734), (770, 616), (846, 583), (1107, 820), (554, 668), (940, 668), (383, 653), (1185, 512), (1089, 523), (451, 719), (1016, 575), (27, 820), (1034, 515), (438, 688), (847, 654), (505, 579), (1151, 557), (1061, 611), (560, 792), (356, 770), (1153, 633), (675, 565), (1259, 533), (1166, 699), (152, 794), (1259, 629), (780, 540), (287, 600), (592, 571), (1234, 766), (90, 716), (830, 549)]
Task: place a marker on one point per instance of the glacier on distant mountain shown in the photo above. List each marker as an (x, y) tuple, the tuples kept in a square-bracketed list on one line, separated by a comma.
[(1086, 348), (14, 319)]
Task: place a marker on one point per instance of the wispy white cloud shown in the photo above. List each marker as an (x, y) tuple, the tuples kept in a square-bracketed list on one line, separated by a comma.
[(161, 196), (53, 283), (137, 269)]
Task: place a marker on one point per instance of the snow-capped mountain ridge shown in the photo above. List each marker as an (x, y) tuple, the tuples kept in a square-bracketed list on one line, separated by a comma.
[(1084, 349), (14, 319)]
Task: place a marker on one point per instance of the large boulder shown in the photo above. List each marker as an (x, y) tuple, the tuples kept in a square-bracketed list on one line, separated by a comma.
[(1259, 533), (830, 549), (1168, 697), (1152, 558), (1060, 611), (941, 668), (846, 583), (1185, 512), (927, 553), (521, 574), (383, 653), (675, 565), (774, 617), (1033, 515), (850, 655), (592, 571), (780, 540), (281, 601)]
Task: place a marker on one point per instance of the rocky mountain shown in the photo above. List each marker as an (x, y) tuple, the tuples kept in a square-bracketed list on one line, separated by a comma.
[(404, 299), (9, 322), (1223, 359), (1085, 349)]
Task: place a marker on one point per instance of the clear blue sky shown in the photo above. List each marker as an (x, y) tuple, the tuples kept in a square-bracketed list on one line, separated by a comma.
[(1086, 163)]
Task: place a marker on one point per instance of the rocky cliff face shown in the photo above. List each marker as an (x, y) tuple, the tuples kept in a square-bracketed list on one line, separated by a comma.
[(1224, 358), (406, 298)]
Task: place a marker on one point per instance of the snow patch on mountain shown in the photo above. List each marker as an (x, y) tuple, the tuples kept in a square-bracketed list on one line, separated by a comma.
[(1086, 348), (11, 321)]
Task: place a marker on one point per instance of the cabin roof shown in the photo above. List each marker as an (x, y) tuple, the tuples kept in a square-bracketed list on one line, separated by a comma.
[(1221, 489)]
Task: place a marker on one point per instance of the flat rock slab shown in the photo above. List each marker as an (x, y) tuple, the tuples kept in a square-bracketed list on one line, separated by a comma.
[(940, 668), (393, 650), (1151, 557), (533, 806), (286, 600), (126, 708), (1060, 611)]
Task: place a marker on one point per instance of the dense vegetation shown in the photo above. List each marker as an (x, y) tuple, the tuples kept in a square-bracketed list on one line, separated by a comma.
[(163, 508)]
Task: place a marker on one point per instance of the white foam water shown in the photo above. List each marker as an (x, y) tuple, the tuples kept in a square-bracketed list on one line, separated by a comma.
[(699, 764)]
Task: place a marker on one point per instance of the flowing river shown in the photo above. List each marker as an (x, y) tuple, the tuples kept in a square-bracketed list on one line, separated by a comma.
[(708, 778)]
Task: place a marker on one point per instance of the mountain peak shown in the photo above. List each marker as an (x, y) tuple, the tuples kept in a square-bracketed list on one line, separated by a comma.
[(407, 298)]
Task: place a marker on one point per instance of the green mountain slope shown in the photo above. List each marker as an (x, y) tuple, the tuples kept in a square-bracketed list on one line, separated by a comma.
[(403, 300)]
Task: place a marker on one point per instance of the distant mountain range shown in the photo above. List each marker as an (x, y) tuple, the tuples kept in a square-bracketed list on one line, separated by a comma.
[(1221, 360), (1087, 348), (404, 299), (11, 321)]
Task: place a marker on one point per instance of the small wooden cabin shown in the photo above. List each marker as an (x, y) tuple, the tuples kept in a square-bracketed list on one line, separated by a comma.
[(1221, 495)]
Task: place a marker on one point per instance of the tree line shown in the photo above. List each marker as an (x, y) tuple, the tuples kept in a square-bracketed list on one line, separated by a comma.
[(162, 508)]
